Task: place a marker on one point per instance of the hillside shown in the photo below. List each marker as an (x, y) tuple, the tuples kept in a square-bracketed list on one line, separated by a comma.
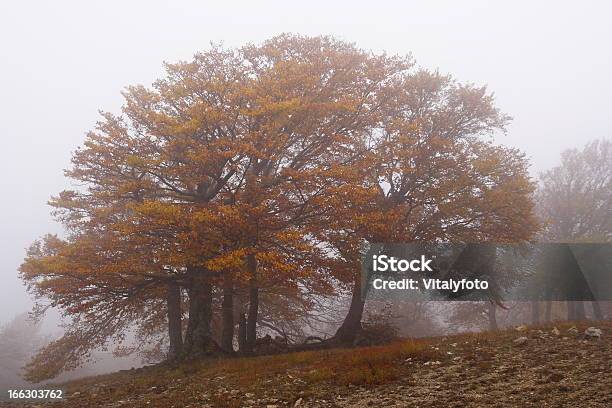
[(544, 366)]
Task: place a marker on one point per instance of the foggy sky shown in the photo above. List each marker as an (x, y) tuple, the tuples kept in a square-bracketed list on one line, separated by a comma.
[(548, 62)]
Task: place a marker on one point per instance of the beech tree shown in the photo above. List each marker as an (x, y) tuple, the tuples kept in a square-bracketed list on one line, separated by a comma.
[(434, 177), (211, 175), (575, 198), (575, 202), (265, 170)]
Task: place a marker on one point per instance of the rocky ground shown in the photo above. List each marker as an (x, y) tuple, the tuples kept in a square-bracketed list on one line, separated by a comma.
[(563, 366), (538, 368)]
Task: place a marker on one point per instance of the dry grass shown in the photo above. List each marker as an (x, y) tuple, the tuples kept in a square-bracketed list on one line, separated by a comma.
[(327, 374), (359, 366), (365, 366), (362, 366)]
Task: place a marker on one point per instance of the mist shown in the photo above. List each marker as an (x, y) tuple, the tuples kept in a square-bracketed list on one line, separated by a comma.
[(548, 64)]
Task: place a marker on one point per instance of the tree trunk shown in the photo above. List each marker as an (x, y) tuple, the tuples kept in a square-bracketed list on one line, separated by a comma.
[(251, 326), (242, 334), (351, 326), (492, 316), (548, 311), (597, 314), (535, 312), (227, 309), (198, 339), (174, 320)]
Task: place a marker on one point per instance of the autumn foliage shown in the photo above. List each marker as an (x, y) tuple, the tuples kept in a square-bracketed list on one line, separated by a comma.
[(240, 189)]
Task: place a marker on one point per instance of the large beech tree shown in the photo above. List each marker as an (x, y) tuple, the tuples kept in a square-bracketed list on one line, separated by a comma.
[(432, 175), (265, 169)]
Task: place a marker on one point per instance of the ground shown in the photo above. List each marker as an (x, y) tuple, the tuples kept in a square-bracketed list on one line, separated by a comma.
[(543, 366)]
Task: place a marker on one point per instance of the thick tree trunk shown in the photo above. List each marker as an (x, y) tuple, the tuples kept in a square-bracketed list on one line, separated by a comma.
[(597, 314), (491, 313), (198, 339), (351, 326), (535, 312), (174, 320), (251, 326), (227, 309), (242, 334), (548, 311)]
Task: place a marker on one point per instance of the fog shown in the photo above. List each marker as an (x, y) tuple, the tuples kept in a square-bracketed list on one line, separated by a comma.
[(548, 63)]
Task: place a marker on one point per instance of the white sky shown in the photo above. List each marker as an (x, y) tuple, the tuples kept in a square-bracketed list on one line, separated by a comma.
[(548, 62)]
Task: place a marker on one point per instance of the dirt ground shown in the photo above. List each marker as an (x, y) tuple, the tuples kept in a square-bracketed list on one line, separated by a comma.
[(547, 370), (547, 366)]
